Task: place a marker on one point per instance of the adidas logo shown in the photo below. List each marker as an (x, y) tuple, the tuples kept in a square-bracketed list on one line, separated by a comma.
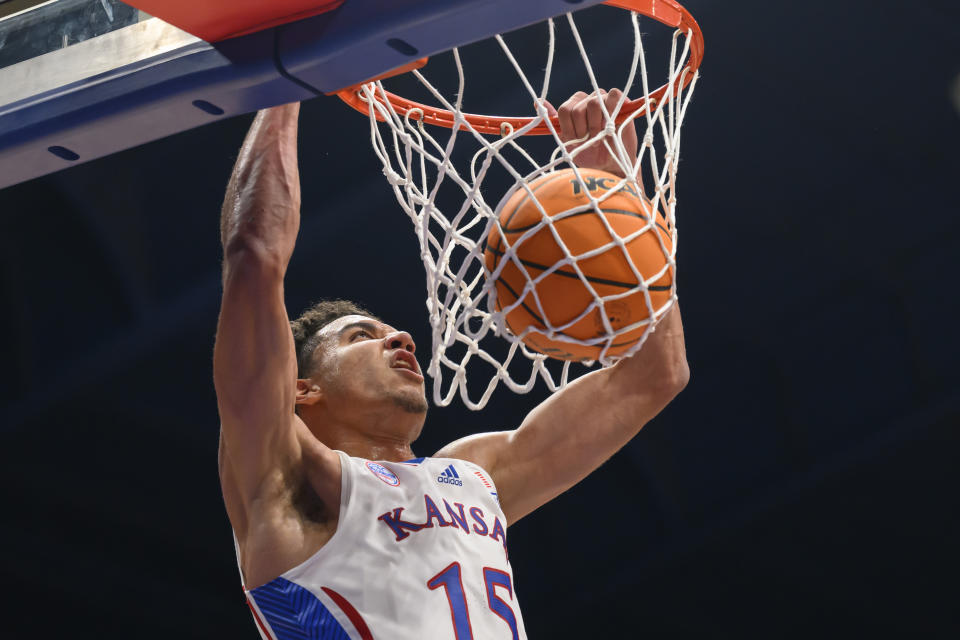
[(450, 476)]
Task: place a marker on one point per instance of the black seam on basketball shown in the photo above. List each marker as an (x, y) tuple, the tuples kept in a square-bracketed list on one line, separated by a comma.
[(625, 212), (556, 352), (522, 304), (523, 200), (553, 352), (544, 324), (504, 228), (571, 274), (599, 348)]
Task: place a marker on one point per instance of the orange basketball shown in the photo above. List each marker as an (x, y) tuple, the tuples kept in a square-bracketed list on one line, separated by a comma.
[(562, 294)]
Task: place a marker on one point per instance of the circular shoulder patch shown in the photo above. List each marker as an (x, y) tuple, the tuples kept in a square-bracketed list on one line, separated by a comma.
[(383, 473)]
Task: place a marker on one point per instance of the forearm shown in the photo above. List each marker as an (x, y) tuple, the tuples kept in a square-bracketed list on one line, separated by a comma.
[(259, 222), (647, 381), (261, 209)]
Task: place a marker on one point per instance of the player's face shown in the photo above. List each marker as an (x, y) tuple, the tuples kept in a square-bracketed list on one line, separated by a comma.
[(361, 360)]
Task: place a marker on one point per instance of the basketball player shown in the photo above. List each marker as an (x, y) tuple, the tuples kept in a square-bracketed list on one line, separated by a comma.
[(341, 531)]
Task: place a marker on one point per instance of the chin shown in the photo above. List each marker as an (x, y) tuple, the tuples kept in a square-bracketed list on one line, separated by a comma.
[(411, 402)]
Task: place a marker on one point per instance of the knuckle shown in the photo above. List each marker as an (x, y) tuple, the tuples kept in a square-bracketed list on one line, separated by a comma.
[(571, 103)]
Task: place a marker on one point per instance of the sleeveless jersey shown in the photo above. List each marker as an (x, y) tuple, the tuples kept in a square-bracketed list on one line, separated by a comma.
[(420, 552)]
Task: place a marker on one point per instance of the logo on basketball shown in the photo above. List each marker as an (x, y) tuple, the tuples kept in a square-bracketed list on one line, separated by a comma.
[(617, 311), (450, 476), (383, 473)]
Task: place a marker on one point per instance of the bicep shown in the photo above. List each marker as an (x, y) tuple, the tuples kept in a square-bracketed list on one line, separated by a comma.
[(558, 444), (578, 428)]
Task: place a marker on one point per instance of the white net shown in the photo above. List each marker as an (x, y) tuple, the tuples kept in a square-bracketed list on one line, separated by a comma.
[(474, 322)]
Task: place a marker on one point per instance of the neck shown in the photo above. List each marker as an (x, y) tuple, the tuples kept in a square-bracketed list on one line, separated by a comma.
[(388, 438), (375, 448)]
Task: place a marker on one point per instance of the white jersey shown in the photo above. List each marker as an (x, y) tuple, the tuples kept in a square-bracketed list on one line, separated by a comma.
[(420, 552)]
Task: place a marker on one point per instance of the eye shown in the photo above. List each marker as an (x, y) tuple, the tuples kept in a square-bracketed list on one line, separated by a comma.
[(361, 332)]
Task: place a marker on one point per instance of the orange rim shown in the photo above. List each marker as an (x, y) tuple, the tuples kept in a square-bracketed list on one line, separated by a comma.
[(667, 12)]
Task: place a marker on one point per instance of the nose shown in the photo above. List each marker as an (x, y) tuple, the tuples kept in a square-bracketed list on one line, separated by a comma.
[(400, 340)]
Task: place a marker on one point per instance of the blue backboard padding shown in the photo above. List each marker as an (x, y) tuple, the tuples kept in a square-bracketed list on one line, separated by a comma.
[(353, 46), (128, 107), (148, 101)]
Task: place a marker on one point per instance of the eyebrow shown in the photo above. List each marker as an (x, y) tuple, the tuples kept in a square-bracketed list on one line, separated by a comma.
[(361, 324)]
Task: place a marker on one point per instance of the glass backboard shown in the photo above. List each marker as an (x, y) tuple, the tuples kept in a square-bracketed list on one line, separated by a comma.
[(30, 28)]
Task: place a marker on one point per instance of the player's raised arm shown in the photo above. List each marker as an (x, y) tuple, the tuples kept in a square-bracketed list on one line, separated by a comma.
[(254, 364), (577, 429)]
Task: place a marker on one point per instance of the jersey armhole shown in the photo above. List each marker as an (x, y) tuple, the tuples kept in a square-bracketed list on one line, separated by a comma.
[(485, 479), (346, 493)]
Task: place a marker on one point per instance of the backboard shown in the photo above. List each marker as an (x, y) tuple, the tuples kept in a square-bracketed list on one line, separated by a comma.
[(81, 79)]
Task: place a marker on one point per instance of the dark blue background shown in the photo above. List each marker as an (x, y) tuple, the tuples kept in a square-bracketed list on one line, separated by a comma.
[(804, 485)]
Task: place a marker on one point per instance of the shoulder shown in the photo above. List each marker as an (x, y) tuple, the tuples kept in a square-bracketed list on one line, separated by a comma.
[(481, 449)]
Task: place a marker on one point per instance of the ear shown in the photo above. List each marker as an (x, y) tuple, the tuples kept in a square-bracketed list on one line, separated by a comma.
[(308, 392)]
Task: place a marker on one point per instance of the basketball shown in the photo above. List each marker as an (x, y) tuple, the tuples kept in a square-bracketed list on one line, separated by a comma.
[(562, 294)]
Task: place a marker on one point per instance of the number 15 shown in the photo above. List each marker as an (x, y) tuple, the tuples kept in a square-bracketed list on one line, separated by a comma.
[(452, 583)]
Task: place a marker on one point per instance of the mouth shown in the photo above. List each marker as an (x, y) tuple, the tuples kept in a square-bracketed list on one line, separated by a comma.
[(406, 363)]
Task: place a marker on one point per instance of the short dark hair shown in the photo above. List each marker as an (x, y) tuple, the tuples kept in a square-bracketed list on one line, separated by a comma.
[(307, 326)]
